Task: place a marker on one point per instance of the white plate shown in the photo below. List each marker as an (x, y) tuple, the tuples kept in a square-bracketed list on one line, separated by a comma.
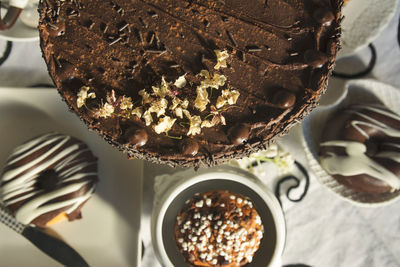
[(108, 233), (363, 21), (189, 182)]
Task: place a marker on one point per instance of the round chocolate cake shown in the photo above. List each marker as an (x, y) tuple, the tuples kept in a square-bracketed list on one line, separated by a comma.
[(360, 148), (48, 179), (218, 228), (190, 83)]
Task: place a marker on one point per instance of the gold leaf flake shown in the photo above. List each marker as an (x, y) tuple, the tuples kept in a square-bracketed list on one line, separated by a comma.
[(206, 124), (147, 117), (222, 56), (217, 117), (227, 97), (163, 90), (164, 124), (216, 81), (202, 99), (146, 98), (138, 112), (181, 82), (126, 103), (178, 106), (159, 107), (106, 110), (195, 123), (83, 95)]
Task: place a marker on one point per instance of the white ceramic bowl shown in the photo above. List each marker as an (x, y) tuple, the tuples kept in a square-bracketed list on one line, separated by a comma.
[(218, 178)]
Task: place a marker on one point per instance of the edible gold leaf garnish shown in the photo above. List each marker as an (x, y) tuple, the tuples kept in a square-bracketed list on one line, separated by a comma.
[(202, 99), (83, 95), (211, 81), (106, 110), (126, 103), (178, 106), (146, 98), (160, 98), (147, 117), (217, 117), (206, 124), (194, 122), (180, 82), (222, 56), (164, 124), (227, 97), (138, 112), (163, 90), (159, 107)]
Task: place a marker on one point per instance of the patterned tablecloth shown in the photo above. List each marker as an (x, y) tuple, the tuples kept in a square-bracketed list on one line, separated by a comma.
[(322, 230)]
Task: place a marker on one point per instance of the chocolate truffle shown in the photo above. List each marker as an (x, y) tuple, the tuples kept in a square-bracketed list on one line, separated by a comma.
[(48, 179), (360, 148), (193, 70), (218, 228)]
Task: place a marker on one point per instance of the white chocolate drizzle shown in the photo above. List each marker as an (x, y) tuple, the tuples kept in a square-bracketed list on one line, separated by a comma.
[(356, 162), (375, 124), (54, 152)]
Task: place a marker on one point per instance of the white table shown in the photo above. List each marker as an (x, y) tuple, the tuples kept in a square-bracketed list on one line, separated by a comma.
[(322, 230)]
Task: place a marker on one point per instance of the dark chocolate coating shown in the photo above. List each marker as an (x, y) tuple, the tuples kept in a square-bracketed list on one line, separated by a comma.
[(127, 46), (138, 138), (339, 127), (284, 99), (239, 134), (324, 16), (315, 58), (71, 160), (190, 148)]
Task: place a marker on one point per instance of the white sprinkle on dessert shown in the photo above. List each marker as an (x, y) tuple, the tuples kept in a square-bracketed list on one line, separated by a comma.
[(221, 228)]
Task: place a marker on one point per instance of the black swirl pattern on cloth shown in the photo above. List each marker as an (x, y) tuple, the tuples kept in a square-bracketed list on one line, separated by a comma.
[(398, 33), (296, 185), (6, 53), (363, 73)]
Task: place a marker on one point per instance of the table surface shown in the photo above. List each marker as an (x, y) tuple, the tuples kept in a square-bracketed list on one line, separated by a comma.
[(322, 230)]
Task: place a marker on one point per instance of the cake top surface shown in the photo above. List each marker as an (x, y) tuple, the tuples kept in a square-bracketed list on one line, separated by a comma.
[(190, 82), (218, 228)]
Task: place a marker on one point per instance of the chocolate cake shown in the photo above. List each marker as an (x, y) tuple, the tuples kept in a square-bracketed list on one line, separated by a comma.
[(190, 83), (360, 148), (48, 179), (218, 228)]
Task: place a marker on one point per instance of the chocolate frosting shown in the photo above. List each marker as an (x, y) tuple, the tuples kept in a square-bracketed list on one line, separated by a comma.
[(280, 57)]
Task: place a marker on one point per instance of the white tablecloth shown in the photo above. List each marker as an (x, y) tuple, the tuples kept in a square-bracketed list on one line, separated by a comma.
[(322, 230)]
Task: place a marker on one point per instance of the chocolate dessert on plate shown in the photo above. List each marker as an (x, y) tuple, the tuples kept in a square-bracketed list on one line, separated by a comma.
[(190, 83)]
